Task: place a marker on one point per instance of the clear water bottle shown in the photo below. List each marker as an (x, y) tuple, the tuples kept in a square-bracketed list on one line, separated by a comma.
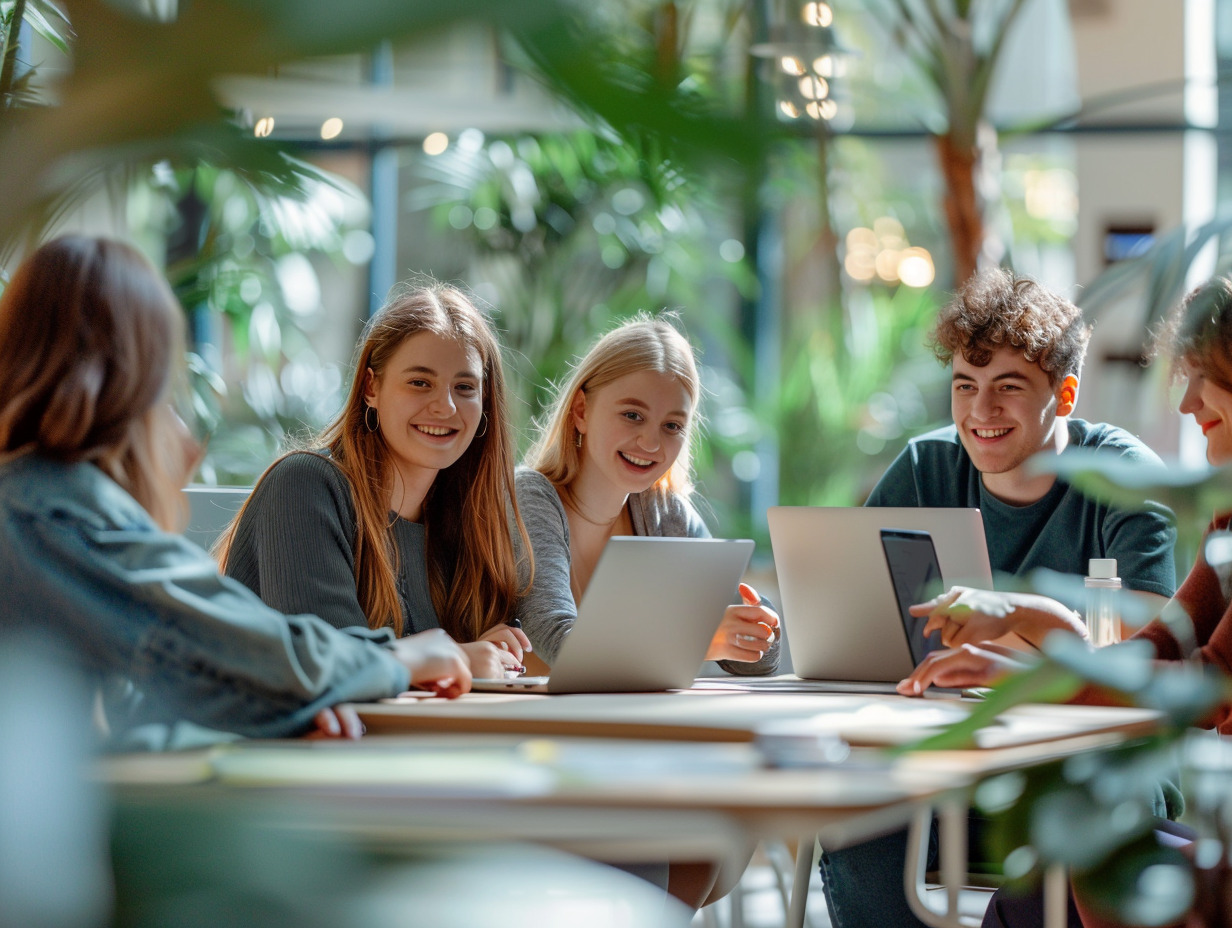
[(1103, 586)]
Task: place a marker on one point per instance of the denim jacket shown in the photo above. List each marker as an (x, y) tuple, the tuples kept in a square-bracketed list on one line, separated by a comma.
[(133, 606)]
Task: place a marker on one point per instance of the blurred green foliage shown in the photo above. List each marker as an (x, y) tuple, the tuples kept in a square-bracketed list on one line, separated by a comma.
[(570, 232), (1094, 813)]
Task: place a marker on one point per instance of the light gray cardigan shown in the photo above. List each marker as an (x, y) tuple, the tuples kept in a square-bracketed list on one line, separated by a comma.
[(547, 611)]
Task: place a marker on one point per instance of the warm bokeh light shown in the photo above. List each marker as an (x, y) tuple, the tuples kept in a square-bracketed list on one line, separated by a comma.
[(436, 143), (860, 262), (887, 265), (263, 127), (331, 128), (829, 66), (882, 252), (788, 109), (814, 88), (791, 65), (860, 265), (862, 237), (915, 267), (817, 14), (1051, 194)]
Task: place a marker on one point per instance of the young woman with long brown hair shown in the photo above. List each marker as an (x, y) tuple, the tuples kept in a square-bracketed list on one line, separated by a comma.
[(401, 515), (92, 459)]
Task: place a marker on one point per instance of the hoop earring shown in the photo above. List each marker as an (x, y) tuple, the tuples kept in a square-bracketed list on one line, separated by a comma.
[(372, 418), (577, 442), (485, 427)]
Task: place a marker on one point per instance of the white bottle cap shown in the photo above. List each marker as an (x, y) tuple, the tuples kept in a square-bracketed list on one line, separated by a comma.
[(1102, 568)]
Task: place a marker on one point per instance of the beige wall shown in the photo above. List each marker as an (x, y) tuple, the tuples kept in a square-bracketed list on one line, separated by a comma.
[(1134, 52)]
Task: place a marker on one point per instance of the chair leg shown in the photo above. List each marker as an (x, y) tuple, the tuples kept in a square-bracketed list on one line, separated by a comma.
[(782, 865), (806, 861)]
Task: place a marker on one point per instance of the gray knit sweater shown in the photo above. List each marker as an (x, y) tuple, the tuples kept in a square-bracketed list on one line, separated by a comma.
[(295, 547), (547, 611)]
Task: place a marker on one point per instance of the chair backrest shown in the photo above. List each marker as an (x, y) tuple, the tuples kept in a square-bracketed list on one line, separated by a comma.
[(211, 509)]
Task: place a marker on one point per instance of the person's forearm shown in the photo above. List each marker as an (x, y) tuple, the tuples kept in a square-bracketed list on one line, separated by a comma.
[(1037, 616)]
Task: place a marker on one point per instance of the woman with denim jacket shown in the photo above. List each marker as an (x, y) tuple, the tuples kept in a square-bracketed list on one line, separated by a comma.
[(91, 462)]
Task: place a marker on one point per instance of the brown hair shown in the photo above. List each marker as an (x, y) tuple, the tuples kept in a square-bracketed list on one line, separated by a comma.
[(472, 566), (89, 336), (643, 343), (1199, 331), (997, 309)]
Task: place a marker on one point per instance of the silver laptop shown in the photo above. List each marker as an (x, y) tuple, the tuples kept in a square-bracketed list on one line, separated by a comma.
[(838, 603), (647, 618)]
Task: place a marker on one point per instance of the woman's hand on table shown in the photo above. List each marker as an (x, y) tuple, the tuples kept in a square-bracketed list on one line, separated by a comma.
[(436, 662), (964, 666), (487, 661), (509, 638), (746, 631), (337, 722)]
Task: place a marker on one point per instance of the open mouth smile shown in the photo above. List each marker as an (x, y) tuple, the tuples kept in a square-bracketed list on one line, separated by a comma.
[(436, 431), (989, 434), (641, 463)]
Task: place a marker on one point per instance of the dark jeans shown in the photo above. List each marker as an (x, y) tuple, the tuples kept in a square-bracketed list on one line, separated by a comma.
[(1009, 911), (863, 884)]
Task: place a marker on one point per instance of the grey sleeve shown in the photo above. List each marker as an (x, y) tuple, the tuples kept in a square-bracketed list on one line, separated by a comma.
[(769, 663), (547, 610), (295, 544), (694, 524), (152, 607)]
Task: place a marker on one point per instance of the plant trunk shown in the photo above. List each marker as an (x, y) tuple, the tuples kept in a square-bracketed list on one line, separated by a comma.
[(964, 207), (8, 62), (667, 45)]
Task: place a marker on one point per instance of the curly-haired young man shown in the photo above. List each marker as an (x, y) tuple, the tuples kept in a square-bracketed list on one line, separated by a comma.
[(1016, 351)]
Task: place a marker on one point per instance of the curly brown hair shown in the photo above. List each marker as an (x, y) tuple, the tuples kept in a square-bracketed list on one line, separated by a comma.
[(1199, 331), (996, 309)]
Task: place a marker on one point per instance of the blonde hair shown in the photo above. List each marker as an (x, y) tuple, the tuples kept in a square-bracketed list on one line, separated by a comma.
[(472, 565), (90, 335), (643, 343)]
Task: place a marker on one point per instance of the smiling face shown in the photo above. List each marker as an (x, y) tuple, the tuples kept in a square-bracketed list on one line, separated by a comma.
[(633, 429), (429, 399), (1005, 412), (1211, 406)]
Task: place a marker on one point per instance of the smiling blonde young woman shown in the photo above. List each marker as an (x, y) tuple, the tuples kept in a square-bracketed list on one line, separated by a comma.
[(398, 518), (613, 458)]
